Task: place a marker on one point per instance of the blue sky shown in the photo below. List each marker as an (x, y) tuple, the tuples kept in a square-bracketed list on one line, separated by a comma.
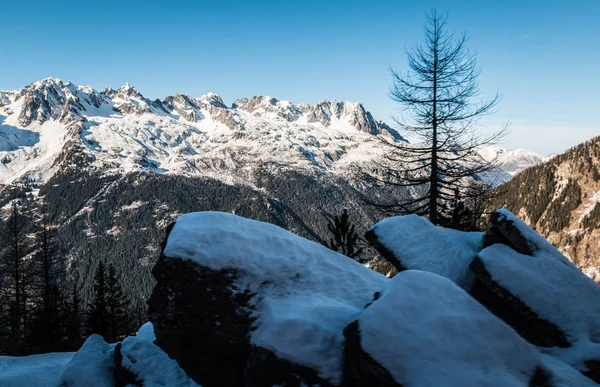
[(543, 56)]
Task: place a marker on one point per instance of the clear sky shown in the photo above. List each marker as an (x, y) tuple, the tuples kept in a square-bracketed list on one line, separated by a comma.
[(543, 56)]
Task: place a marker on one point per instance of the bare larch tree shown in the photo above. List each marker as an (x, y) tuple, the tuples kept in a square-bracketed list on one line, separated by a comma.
[(436, 96)]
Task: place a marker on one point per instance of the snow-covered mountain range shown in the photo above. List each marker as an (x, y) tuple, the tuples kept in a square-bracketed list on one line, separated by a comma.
[(123, 131), (511, 161), (181, 134)]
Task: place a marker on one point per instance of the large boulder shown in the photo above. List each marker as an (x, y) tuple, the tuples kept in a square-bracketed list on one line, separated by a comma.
[(543, 295), (424, 331), (245, 303), (515, 273), (412, 242)]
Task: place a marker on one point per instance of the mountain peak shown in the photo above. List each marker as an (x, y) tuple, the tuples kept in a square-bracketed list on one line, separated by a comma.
[(212, 99)]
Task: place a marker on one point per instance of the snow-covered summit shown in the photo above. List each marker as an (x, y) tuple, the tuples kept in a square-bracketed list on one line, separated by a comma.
[(123, 129), (511, 161)]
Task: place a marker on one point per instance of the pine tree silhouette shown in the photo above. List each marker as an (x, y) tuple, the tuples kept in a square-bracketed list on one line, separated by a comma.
[(50, 314), (74, 321), (16, 273), (345, 239), (98, 318), (116, 305)]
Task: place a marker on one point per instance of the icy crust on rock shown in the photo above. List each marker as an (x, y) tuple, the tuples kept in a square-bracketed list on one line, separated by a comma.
[(92, 365), (152, 366), (420, 245), (305, 293), (428, 332)]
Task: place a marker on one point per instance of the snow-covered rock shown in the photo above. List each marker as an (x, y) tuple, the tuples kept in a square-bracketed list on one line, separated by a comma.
[(254, 296), (514, 272), (412, 242), (546, 297), (151, 366), (146, 332), (134, 361), (428, 332), (92, 365)]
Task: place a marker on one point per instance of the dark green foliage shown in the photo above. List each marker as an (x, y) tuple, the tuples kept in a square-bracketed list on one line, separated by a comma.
[(558, 215), (107, 315), (98, 318), (16, 275), (48, 331), (74, 321), (51, 310), (532, 189), (345, 239), (126, 219), (592, 220), (117, 307)]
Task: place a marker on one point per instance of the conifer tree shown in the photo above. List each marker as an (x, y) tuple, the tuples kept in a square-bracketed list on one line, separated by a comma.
[(345, 239), (74, 323), (16, 272), (49, 318), (98, 319), (116, 306)]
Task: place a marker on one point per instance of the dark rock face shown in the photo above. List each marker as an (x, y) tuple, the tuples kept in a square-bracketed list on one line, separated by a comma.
[(513, 311), (265, 369), (386, 253), (123, 376), (360, 369), (201, 321), (504, 231)]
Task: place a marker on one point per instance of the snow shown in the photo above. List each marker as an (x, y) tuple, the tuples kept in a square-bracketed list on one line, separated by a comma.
[(511, 161), (539, 245), (91, 365), (321, 138), (564, 375), (306, 293), (152, 365), (146, 332), (35, 370), (556, 292), (428, 332), (420, 245)]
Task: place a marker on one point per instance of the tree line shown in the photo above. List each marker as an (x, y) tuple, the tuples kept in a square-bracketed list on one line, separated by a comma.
[(41, 309)]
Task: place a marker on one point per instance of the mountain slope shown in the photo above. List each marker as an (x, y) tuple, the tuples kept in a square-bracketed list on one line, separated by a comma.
[(560, 199), (114, 168)]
